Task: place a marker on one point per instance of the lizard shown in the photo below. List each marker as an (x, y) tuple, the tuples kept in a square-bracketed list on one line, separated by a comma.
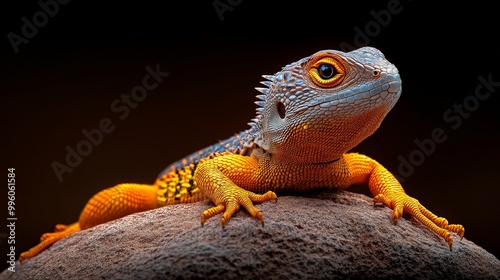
[(309, 116)]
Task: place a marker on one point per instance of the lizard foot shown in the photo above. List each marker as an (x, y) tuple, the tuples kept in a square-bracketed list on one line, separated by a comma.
[(401, 202), (232, 199), (50, 238)]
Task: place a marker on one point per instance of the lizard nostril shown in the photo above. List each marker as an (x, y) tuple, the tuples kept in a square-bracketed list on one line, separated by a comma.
[(376, 73), (281, 110)]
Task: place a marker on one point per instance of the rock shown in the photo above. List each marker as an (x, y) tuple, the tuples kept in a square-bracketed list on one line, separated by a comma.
[(325, 235)]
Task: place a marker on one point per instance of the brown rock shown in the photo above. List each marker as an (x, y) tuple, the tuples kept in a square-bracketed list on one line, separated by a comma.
[(322, 236)]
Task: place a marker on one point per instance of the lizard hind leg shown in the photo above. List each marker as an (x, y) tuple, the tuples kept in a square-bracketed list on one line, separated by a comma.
[(107, 205), (117, 202)]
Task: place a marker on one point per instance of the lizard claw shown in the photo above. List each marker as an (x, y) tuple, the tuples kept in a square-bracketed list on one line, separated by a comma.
[(400, 202), (232, 199)]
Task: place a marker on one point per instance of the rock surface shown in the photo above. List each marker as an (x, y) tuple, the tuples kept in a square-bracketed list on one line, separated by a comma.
[(321, 236)]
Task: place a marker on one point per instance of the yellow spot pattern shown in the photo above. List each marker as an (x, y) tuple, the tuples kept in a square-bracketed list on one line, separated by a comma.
[(178, 187)]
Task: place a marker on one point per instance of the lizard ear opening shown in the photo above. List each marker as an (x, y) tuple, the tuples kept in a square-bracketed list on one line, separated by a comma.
[(281, 110)]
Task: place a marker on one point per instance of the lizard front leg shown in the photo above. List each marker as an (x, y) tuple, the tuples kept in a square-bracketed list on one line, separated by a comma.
[(213, 175), (387, 190)]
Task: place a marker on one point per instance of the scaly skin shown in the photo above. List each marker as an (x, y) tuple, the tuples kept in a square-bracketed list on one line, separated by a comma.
[(309, 116)]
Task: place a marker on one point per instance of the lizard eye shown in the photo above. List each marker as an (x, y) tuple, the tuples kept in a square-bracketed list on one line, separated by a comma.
[(326, 72)]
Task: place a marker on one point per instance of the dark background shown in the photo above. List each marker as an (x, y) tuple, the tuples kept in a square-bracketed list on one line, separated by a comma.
[(65, 78)]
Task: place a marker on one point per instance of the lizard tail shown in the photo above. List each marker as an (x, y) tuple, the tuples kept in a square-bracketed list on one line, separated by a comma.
[(107, 205), (50, 238)]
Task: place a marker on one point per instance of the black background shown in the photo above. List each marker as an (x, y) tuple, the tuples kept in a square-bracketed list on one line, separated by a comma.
[(65, 78)]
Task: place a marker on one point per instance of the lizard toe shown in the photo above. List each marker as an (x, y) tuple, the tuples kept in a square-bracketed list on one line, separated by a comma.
[(209, 213), (402, 202)]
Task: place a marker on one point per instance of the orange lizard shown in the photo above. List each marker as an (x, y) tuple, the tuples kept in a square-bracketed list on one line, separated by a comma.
[(309, 115)]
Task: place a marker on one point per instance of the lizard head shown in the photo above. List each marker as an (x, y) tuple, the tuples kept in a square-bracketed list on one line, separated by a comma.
[(318, 108)]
